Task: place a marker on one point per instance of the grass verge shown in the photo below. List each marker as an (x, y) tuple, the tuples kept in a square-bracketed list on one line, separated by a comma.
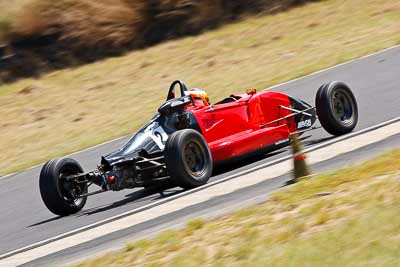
[(71, 109), (45, 35), (343, 218)]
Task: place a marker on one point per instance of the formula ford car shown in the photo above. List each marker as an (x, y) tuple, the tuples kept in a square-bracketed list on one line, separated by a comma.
[(188, 135)]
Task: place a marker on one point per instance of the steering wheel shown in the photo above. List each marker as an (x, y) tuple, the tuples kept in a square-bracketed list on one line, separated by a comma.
[(171, 92)]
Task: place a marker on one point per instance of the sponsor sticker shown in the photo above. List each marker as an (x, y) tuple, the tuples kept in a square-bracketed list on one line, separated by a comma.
[(304, 124)]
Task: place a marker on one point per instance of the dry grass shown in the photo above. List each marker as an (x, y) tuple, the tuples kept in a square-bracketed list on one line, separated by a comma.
[(85, 20), (355, 225), (47, 35), (195, 14), (8, 9), (118, 24), (68, 110), (103, 24)]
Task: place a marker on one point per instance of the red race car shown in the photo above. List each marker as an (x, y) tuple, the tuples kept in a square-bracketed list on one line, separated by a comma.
[(188, 135)]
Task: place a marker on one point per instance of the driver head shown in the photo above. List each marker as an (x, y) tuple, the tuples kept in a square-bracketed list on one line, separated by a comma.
[(199, 97)]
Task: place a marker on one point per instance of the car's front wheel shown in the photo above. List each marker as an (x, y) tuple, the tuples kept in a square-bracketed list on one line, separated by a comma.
[(188, 159), (61, 195), (336, 108)]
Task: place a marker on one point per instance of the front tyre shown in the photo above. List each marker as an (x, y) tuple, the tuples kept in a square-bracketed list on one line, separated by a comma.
[(188, 159), (336, 108), (59, 194)]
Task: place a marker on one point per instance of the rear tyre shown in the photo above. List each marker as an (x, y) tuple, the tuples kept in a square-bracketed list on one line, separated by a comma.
[(58, 194), (336, 108), (188, 159)]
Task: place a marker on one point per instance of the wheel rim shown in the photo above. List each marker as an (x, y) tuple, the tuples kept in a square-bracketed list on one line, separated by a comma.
[(343, 106), (70, 189), (194, 158)]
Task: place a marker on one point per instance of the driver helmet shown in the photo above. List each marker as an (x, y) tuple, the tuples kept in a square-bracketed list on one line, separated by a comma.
[(198, 96)]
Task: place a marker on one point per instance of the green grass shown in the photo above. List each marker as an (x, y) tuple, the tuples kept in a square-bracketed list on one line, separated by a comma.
[(344, 218), (72, 109)]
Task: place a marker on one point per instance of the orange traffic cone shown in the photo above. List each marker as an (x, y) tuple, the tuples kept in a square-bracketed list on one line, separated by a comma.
[(299, 159)]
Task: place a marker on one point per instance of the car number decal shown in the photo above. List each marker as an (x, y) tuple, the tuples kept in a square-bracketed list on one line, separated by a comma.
[(160, 137)]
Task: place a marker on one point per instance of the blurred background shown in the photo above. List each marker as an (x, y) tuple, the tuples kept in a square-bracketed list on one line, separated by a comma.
[(43, 34)]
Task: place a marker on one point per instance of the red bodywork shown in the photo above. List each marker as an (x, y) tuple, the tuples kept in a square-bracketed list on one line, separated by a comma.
[(236, 128)]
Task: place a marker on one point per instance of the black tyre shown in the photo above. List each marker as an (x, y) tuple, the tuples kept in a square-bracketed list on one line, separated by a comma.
[(58, 194), (336, 108), (188, 159)]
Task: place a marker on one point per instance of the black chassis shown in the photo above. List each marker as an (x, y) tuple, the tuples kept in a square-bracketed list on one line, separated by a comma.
[(140, 162)]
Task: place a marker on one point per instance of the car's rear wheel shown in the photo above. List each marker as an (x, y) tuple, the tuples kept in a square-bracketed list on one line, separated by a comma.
[(188, 159), (336, 108), (61, 196)]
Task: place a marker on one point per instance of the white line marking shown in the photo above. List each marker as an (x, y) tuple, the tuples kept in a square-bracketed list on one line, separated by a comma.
[(333, 67), (224, 186), (150, 205), (269, 88)]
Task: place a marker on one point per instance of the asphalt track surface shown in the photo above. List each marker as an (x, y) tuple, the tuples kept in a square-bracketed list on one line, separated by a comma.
[(24, 219), (214, 207)]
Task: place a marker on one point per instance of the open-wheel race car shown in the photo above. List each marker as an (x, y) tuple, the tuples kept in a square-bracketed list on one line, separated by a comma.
[(188, 135)]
